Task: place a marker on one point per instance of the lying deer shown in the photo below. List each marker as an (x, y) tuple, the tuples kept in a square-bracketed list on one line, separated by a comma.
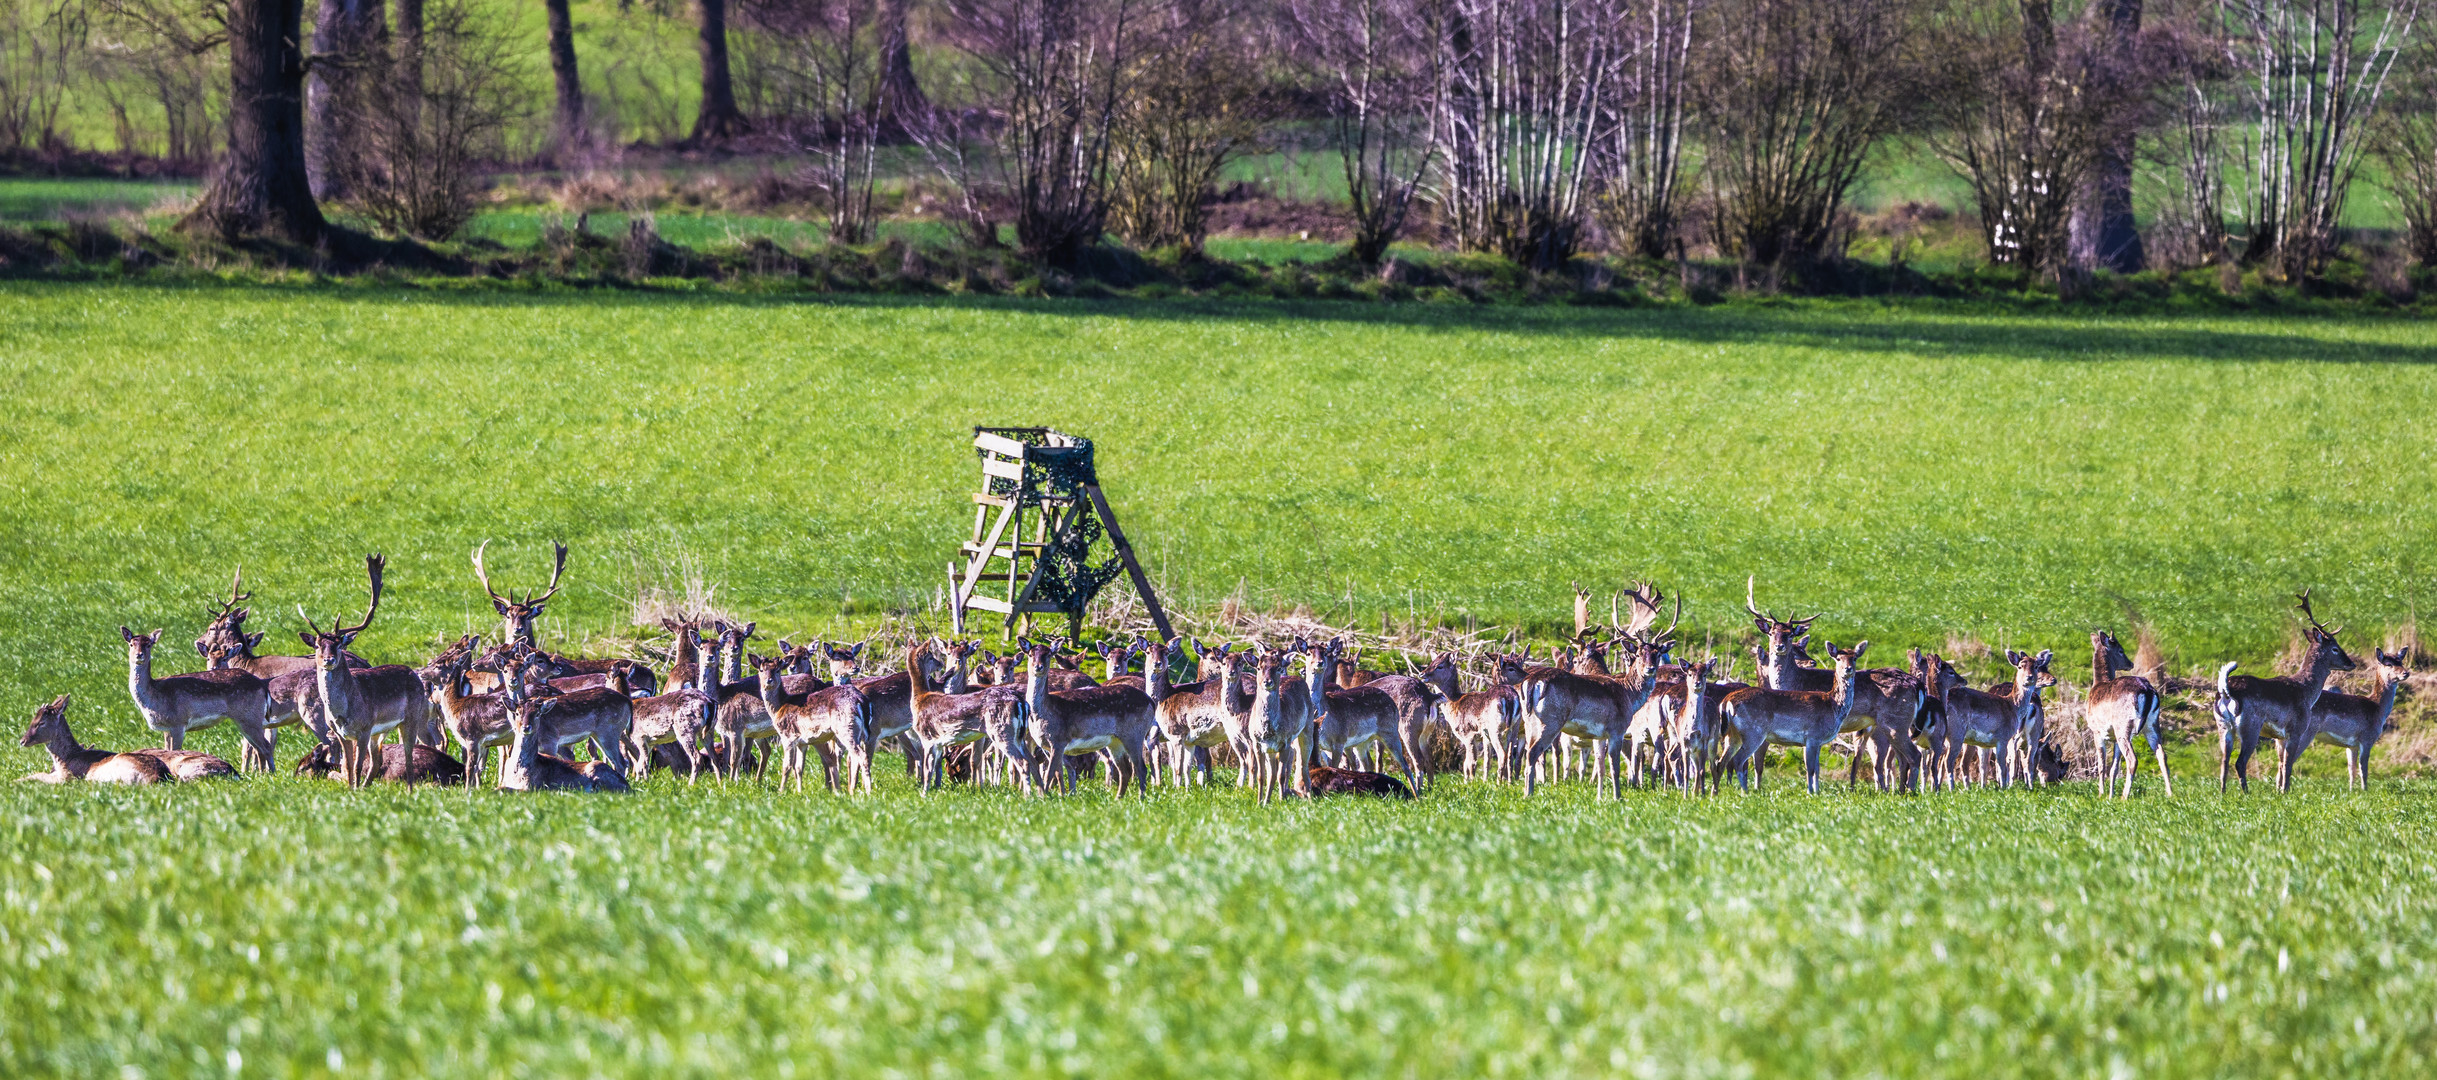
[(398, 764), (71, 760)]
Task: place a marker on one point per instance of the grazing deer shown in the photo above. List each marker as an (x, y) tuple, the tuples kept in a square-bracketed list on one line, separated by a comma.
[(176, 704), (2353, 722), (1995, 721), (526, 768), (2120, 707), (399, 764), (1886, 701), (360, 704), (71, 760), (832, 721), (1759, 717), (1087, 720), (2249, 706)]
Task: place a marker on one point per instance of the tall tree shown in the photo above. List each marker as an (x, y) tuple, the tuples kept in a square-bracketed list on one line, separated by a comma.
[(344, 34), (718, 117), (261, 185), (2105, 232), (901, 95), (569, 119)]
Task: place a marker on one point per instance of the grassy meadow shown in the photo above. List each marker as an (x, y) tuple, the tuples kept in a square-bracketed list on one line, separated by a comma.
[(1911, 471)]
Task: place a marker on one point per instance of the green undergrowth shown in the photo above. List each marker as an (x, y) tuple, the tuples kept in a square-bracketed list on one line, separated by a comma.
[(289, 928)]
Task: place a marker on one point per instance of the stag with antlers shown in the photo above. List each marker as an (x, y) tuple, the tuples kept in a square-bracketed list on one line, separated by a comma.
[(2250, 706), (361, 704)]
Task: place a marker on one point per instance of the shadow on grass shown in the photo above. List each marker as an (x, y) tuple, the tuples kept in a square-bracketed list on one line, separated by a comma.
[(1959, 328)]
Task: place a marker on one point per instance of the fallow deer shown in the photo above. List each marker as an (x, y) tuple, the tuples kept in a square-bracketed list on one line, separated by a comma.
[(1483, 724), (1084, 721), (2118, 708), (477, 722), (1594, 708), (517, 615), (361, 704), (945, 718), (527, 768), (680, 718), (2250, 706), (1263, 736), (176, 704), (399, 764), (1886, 701), (603, 716), (1194, 716), (1996, 722), (1417, 710), (2353, 722), (71, 760), (1362, 716), (1759, 717), (834, 722)]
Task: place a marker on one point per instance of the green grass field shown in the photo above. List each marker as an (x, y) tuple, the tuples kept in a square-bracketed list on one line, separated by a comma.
[(1910, 471)]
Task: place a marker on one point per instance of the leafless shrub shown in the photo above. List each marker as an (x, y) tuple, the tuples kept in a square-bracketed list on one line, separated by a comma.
[(2407, 147), (424, 116), (1377, 60), (39, 50), (822, 62), (1047, 78), (1793, 96), (1525, 86), (1199, 100), (2314, 72), (2027, 102), (1643, 163)]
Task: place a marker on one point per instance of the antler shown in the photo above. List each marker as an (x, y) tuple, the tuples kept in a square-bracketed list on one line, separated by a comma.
[(1749, 603), (1646, 598), (484, 578), (372, 569), (2304, 597), (236, 596), (557, 568)]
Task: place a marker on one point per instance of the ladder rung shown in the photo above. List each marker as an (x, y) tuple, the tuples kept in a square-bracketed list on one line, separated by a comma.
[(986, 603), (1002, 551), (987, 499)]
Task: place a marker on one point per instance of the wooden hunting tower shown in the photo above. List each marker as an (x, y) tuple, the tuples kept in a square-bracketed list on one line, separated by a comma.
[(1048, 476)]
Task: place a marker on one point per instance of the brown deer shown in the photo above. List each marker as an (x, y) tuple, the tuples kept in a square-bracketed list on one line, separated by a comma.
[(1759, 717), (399, 764), (946, 718), (603, 715), (477, 722), (834, 721), (71, 760), (1361, 716), (2118, 708), (2250, 706), (1484, 725), (1417, 711), (1594, 708), (679, 718), (176, 704), (517, 615), (1998, 722), (1887, 702), (1193, 716), (361, 704), (526, 767), (1086, 720), (2353, 722), (1262, 734)]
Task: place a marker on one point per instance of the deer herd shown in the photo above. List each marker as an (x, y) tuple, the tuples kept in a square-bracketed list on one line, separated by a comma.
[(1615, 706)]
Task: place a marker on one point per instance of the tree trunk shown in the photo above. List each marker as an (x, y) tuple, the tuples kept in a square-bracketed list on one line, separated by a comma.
[(901, 96), (344, 32), (719, 117), (570, 120), (261, 185), (2105, 232)]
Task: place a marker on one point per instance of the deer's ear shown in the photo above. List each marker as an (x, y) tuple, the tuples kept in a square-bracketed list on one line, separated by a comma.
[(306, 638), (1861, 647), (253, 640), (2046, 655)]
